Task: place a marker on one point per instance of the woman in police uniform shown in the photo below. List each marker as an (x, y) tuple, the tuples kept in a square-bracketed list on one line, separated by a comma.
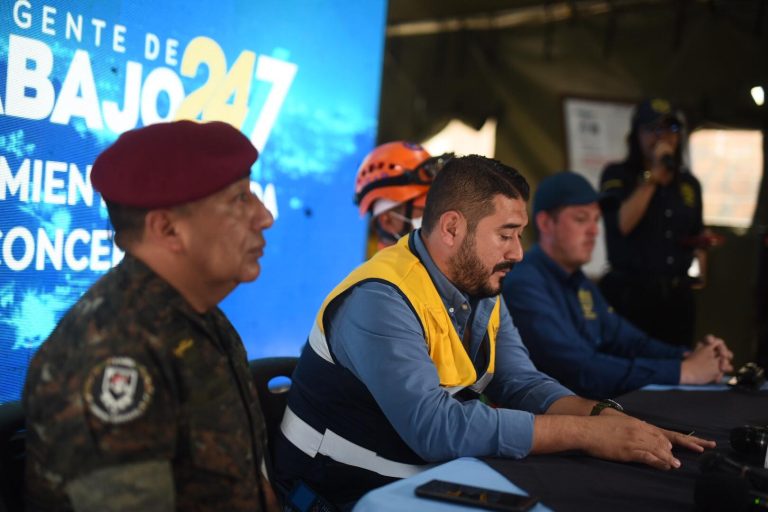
[(653, 219)]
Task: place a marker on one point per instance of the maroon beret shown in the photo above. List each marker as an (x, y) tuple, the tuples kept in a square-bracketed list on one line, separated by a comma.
[(168, 164)]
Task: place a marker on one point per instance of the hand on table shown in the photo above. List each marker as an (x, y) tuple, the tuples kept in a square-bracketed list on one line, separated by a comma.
[(689, 441), (627, 439)]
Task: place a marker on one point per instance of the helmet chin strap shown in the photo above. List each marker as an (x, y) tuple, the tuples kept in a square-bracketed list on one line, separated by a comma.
[(408, 225), (384, 235)]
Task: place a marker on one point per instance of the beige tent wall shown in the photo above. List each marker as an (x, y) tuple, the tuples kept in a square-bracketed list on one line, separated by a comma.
[(704, 56)]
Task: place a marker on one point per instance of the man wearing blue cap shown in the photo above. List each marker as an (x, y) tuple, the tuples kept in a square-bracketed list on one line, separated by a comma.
[(571, 332), (141, 399)]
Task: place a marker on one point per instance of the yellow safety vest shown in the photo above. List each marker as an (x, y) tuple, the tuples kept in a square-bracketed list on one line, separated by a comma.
[(398, 265)]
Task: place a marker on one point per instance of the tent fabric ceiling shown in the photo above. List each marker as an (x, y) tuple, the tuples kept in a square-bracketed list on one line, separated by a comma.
[(518, 60), (406, 15), (704, 56)]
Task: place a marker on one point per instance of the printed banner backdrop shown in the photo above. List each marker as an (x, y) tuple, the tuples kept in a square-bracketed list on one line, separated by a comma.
[(300, 78)]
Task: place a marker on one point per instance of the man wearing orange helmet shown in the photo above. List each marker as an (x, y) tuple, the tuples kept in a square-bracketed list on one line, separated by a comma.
[(392, 184)]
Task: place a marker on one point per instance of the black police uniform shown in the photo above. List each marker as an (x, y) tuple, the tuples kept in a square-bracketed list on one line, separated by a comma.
[(648, 282)]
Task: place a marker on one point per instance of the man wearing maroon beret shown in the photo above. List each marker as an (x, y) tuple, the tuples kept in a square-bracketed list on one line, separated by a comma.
[(141, 398)]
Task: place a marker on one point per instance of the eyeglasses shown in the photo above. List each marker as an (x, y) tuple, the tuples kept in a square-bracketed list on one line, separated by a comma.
[(423, 174)]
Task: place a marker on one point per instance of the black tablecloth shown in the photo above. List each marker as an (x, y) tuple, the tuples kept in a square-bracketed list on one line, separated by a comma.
[(576, 482)]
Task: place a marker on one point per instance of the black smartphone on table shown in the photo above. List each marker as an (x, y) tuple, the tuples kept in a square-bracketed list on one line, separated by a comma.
[(475, 496)]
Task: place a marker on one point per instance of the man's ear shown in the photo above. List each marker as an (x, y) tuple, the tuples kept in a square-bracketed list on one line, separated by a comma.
[(452, 228), (544, 222), (161, 228)]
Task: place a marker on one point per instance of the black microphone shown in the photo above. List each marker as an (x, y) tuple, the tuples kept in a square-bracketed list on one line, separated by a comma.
[(668, 161), (716, 462), (727, 493)]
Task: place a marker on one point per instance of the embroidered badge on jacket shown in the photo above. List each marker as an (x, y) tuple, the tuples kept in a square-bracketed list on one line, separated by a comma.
[(587, 304), (688, 194), (118, 390)]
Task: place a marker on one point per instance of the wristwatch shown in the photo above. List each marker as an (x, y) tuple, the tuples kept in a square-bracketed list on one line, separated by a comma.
[(603, 404)]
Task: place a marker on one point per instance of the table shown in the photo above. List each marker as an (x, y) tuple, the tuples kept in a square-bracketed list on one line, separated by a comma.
[(399, 496), (572, 481)]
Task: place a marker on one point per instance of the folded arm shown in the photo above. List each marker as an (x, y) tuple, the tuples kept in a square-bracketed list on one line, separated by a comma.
[(591, 367)]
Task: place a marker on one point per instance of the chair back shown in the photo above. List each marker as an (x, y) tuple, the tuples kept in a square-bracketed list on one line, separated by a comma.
[(12, 450), (272, 378)]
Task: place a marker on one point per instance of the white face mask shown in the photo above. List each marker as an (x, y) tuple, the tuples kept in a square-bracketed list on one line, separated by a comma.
[(415, 223)]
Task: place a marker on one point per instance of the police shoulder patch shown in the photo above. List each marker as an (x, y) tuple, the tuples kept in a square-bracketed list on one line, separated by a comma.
[(118, 390), (688, 194)]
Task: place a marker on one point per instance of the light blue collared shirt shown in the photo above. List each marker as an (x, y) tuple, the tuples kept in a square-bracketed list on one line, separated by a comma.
[(376, 336)]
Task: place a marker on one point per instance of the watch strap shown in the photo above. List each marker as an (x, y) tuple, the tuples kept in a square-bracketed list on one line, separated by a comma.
[(605, 404)]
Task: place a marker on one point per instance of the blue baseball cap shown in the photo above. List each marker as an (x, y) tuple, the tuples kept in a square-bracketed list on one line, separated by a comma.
[(565, 188)]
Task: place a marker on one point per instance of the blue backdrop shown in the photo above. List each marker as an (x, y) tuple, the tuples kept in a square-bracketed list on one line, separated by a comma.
[(301, 78)]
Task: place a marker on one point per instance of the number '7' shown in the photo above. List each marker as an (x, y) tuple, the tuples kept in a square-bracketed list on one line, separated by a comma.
[(211, 101)]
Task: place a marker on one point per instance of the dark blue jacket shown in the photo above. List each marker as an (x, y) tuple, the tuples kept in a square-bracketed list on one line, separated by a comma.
[(661, 243), (574, 336)]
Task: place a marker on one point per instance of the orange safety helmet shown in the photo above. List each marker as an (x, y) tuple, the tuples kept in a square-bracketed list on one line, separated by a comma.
[(392, 171)]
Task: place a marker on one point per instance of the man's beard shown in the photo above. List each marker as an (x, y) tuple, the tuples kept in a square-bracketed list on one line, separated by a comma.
[(470, 276)]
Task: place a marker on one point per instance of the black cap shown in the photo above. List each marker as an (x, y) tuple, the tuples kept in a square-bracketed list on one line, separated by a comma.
[(652, 111)]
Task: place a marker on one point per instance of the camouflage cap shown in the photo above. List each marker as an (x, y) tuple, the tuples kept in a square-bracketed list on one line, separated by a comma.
[(168, 164)]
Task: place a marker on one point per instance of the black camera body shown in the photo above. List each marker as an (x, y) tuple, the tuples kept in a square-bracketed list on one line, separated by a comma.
[(749, 377)]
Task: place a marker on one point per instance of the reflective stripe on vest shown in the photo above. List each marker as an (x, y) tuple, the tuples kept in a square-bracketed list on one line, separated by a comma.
[(398, 266), (330, 444)]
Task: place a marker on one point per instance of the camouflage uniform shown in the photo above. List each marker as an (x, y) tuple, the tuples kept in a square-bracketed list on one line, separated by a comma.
[(133, 374)]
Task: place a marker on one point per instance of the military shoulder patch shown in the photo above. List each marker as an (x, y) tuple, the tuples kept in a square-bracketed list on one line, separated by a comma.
[(118, 390)]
